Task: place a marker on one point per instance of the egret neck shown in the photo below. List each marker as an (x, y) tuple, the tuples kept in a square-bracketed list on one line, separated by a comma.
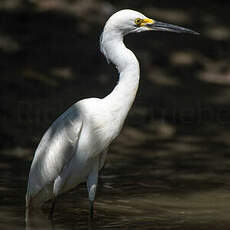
[(124, 93)]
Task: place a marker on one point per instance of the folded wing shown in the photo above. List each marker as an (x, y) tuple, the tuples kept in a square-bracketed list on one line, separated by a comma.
[(54, 151)]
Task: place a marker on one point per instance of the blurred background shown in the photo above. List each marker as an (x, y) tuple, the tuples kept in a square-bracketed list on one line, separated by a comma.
[(170, 167)]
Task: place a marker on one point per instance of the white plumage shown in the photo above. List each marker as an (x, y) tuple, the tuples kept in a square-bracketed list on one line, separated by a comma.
[(74, 148)]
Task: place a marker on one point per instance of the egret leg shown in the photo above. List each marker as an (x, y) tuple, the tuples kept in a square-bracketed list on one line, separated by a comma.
[(92, 192), (92, 187), (91, 209), (27, 219), (52, 209)]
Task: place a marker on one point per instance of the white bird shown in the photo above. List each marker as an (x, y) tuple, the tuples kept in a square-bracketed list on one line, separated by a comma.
[(74, 148)]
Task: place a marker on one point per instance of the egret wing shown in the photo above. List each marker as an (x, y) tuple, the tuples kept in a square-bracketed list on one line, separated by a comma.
[(56, 148)]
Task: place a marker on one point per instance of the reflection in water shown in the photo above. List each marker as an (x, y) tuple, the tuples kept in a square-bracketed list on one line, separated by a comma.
[(37, 220)]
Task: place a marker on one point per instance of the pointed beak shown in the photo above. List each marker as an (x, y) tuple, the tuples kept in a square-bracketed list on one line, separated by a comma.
[(161, 26)]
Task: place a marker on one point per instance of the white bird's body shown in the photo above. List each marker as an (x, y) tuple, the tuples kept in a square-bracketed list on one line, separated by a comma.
[(74, 148), (77, 141)]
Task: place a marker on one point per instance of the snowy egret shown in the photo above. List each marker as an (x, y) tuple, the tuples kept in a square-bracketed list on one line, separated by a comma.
[(74, 148)]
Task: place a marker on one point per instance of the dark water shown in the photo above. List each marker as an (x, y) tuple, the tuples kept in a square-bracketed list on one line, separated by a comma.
[(170, 167), (140, 188)]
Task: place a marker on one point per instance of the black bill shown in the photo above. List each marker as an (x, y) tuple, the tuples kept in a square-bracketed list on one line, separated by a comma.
[(161, 26)]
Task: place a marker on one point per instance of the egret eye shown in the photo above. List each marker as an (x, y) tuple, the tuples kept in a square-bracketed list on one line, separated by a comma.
[(138, 21)]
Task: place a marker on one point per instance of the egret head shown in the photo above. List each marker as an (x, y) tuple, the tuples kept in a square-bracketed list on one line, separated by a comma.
[(130, 21)]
